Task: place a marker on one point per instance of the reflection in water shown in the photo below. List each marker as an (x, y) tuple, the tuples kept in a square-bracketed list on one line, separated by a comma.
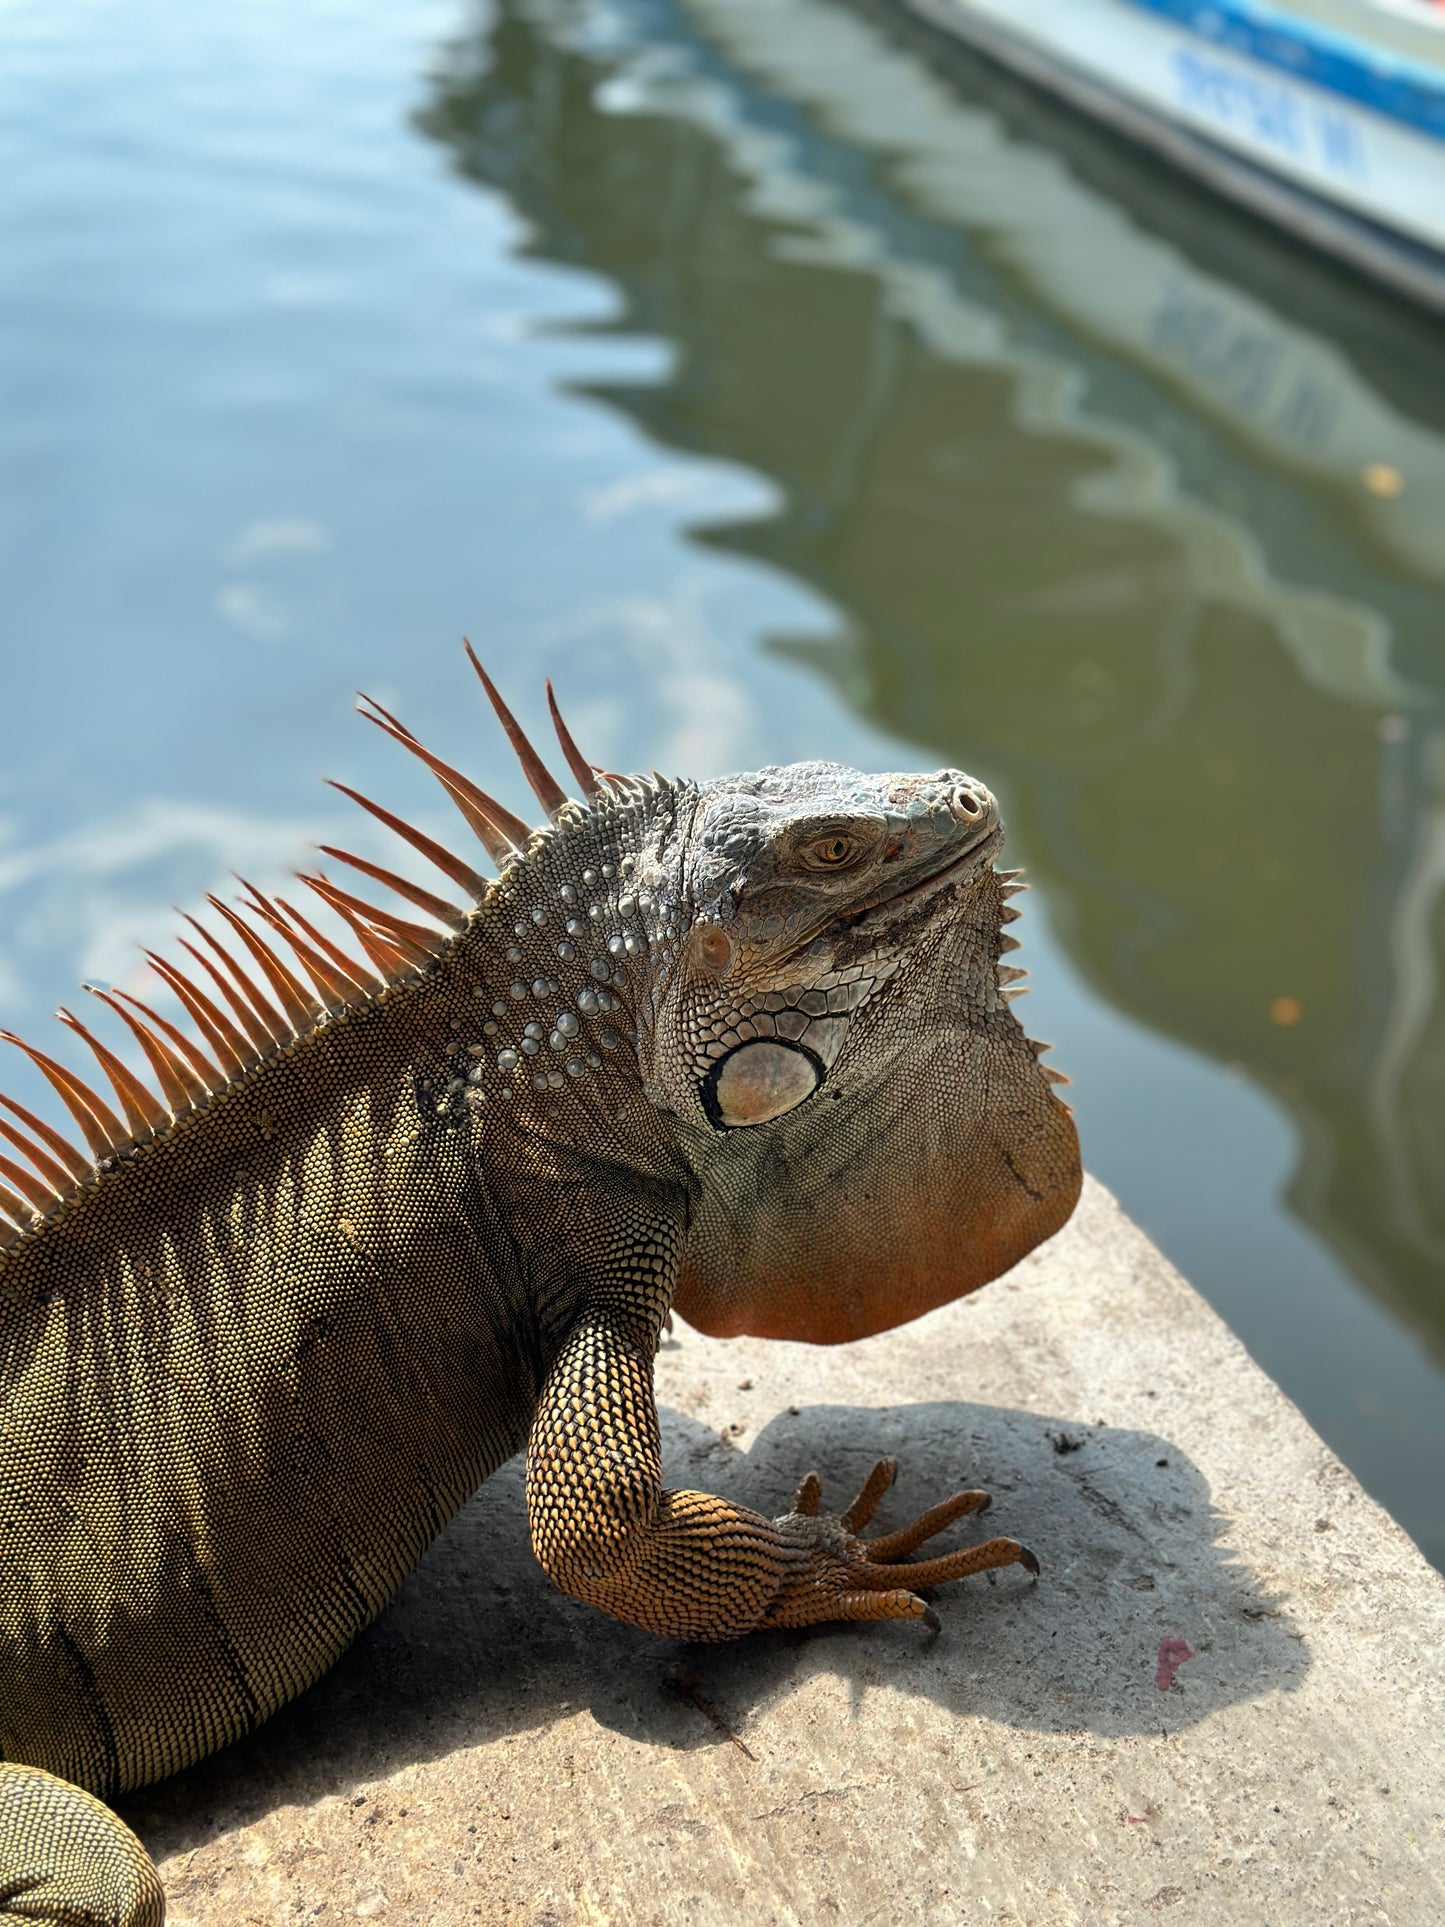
[(1056, 481)]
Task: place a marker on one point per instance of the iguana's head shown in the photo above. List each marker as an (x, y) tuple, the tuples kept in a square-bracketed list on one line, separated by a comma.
[(812, 896), (871, 1129)]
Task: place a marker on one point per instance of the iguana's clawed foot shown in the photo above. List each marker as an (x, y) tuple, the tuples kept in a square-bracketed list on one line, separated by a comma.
[(841, 1576)]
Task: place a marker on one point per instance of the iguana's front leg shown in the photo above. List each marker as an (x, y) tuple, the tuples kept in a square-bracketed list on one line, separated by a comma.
[(685, 1564), (679, 1563)]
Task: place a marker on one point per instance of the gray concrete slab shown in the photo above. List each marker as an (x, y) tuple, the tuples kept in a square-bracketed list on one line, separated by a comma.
[(492, 1751)]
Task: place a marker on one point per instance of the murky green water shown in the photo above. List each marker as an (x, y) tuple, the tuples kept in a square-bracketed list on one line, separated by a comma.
[(778, 396)]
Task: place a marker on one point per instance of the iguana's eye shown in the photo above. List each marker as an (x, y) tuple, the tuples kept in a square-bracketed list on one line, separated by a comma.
[(833, 852)]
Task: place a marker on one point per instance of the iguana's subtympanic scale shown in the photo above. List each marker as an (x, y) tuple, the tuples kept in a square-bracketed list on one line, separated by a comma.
[(742, 1048)]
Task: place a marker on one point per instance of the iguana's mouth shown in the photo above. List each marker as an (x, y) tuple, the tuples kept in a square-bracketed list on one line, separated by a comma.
[(984, 849)]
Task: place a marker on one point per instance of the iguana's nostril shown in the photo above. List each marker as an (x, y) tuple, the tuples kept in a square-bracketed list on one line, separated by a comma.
[(965, 805)]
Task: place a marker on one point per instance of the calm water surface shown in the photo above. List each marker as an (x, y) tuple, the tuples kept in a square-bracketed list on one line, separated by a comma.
[(780, 390)]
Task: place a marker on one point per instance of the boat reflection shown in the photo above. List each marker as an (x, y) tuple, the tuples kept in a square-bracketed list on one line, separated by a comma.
[(1150, 555)]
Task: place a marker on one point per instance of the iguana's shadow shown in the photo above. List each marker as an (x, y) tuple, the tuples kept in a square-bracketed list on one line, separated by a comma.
[(477, 1645)]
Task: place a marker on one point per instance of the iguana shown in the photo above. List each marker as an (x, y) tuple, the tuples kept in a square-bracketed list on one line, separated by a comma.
[(743, 1049)]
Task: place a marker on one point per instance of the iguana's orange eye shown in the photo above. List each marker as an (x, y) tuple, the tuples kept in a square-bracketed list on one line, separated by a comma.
[(833, 852)]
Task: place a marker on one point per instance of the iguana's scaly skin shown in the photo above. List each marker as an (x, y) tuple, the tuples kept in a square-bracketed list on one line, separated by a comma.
[(252, 1365)]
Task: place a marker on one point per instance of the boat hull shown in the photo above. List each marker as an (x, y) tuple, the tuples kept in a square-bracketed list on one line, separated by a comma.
[(1339, 141)]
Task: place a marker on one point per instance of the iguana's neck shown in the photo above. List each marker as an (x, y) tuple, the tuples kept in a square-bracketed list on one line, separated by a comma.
[(559, 975)]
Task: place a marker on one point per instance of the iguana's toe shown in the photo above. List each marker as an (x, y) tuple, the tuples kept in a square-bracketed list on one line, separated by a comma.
[(841, 1576), (896, 1545)]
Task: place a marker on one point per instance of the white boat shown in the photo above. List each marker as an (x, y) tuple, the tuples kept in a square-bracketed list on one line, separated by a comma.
[(1327, 116)]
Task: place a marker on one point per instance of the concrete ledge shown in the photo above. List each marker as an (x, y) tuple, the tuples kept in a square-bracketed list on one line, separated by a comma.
[(492, 1751)]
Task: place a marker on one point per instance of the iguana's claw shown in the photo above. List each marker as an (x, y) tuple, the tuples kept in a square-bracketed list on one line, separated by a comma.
[(840, 1576)]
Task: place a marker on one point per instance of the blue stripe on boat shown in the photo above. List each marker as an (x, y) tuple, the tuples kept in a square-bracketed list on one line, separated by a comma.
[(1405, 90)]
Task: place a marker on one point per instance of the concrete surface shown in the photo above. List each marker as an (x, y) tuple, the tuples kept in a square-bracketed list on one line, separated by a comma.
[(491, 1751)]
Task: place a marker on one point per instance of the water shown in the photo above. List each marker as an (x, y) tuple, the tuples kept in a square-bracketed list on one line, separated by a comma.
[(779, 390)]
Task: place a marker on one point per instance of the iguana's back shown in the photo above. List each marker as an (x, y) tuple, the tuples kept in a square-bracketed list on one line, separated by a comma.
[(247, 1377)]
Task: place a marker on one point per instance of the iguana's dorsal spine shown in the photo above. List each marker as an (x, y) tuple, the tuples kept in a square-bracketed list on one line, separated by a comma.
[(266, 1003)]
